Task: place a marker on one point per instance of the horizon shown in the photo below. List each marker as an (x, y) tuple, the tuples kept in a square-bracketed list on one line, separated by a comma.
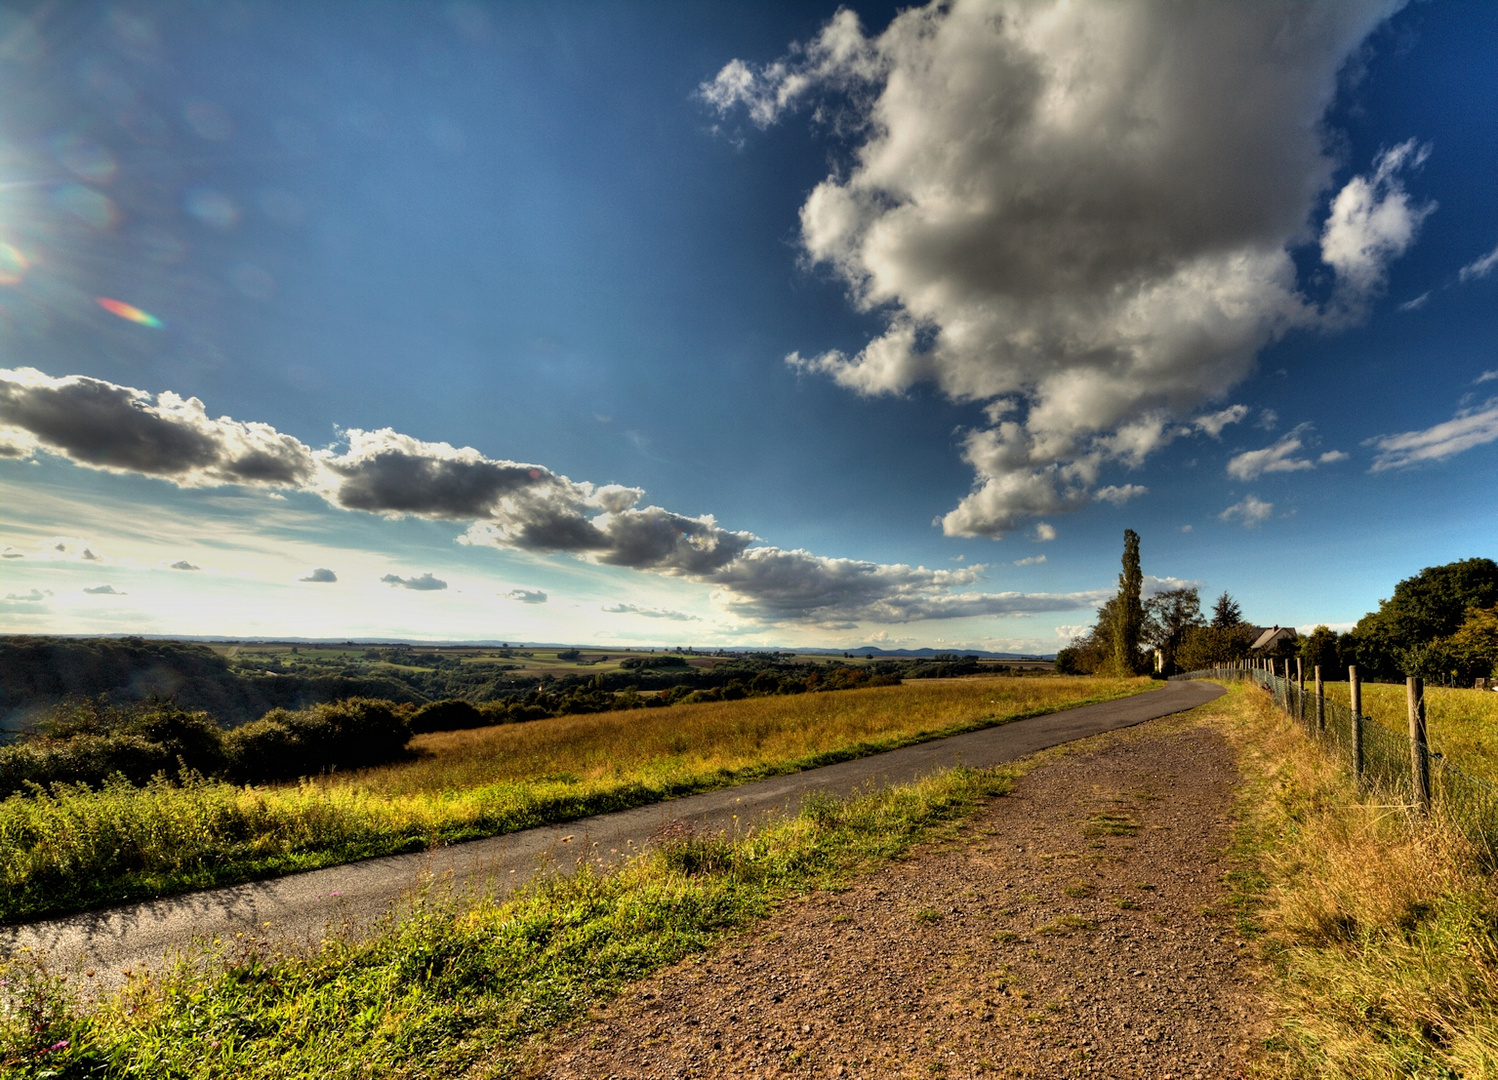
[(736, 328)]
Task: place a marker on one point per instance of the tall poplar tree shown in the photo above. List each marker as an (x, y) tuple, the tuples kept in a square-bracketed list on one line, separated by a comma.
[(1129, 616)]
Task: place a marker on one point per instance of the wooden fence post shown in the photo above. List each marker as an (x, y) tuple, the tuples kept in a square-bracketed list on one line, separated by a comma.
[(1320, 702), (1355, 696), (1300, 686), (1419, 753)]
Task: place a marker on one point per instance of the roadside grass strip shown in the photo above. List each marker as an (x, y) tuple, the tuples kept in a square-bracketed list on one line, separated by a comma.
[(447, 987), (74, 847), (1379, 929)]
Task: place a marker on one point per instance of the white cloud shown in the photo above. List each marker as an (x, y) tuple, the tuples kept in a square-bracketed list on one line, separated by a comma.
[(1469, 428), (1033, 560), (1213, 423), (1416, 304), (425, 583), (1333, 456), (1185, 528), (1120, 495), (1479, 268), (1043, 532), (1252, 511), (526, 596), (1486, 376), (1080, 214), (1279, 457), (648, 612)]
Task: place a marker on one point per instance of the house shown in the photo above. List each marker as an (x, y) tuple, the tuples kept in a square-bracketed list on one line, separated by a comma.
[(1273, 639)]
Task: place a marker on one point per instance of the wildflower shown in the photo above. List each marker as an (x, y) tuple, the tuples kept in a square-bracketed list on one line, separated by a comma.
[(61, 1045)]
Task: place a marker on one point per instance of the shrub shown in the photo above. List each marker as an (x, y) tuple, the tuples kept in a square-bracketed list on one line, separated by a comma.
[(283, 745), (452, 714)]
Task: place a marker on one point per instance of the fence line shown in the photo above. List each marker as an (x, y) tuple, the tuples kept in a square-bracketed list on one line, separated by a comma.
[(1402, 768)]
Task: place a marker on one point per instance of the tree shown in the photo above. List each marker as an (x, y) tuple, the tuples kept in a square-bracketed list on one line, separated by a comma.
[(1167, 617), (1226, 613), (1320, 648), (1475, 645), (1431, 605), (1205, 646), (1093, 651), (1129, 618)]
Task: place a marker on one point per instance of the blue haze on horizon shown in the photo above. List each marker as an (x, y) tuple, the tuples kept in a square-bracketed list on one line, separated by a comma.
[(586, 237)]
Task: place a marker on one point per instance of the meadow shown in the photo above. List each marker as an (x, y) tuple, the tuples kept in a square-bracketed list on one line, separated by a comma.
[(1462, 724), (75, 847)]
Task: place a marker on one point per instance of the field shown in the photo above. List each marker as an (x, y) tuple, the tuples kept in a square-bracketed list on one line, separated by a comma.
[(1461, 724), (78, 848)]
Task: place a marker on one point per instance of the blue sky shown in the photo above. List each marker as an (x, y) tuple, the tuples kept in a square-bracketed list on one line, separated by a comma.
[(738, 324)]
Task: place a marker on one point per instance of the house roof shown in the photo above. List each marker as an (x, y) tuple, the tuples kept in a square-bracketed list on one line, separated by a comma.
[(1273, 635)]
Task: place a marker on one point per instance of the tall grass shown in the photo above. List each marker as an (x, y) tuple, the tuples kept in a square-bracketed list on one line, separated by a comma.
[(1381, 929), (77, 847), (450, 988), (1461, 724)]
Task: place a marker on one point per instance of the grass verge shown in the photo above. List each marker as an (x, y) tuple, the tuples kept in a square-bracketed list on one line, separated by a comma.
[(1380, 931), (451, 988), (76, 847), (1462, 724)]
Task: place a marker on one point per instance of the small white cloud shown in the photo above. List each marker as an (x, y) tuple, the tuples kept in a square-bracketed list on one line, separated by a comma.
[(1252, 511), (1185, 528), (1120, 495), (1332, 456), (649, 613), (183, 564), (1213, 423), (104, 590), (321, 575), (1043, 532), (1033, 560), (1479, 268), (1469, 428), (1268, 420), (1416, 304), (1486, 376), (955, 558), (526, 596), (425, 583), (1279, 457)]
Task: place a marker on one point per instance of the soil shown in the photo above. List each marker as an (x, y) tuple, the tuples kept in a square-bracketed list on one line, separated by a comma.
[(1075, 927)]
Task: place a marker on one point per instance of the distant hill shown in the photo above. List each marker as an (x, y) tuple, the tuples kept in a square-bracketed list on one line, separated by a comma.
[(39, 672)]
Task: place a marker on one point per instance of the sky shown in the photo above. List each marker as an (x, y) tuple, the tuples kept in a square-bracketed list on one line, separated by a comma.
[(738, 325)]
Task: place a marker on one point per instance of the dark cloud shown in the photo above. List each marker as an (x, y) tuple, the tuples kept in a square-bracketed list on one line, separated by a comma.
[(526, 596), (321, 575), (104, 590), (183, 564), (35, 596), (656, 539), (648, 612), (425, 583)]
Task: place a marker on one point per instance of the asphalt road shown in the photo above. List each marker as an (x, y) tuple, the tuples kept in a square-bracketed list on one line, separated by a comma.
[(298, 910)]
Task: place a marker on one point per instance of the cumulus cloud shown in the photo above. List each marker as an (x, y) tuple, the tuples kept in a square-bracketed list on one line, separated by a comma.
[(1120, 495), (425, 583), (648, 612), (183, 564), (526, 596), (1081, 214), (1467, 429), (320, 575), (1479, 268), (1252, 511), (1280, 457), (1213, 423), (104, 590), (510, 504)]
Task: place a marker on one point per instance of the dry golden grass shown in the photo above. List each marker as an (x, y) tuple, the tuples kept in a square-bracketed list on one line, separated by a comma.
[(1462, 724), (731, 736), (1381, 929)]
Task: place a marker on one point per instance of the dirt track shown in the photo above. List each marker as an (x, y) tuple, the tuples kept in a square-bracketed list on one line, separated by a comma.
[(1075, 928)]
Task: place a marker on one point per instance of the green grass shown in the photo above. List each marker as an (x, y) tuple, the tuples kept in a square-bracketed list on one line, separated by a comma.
[(1461, 724), (466, 989), (1380, 930), (78, 848)]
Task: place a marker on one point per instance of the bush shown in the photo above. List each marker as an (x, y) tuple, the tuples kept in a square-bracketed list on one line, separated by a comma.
[(663, 660), (453, 714), (283, 745)]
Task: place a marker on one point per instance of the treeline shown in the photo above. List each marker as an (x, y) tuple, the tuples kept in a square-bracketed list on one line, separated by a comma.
[(1441, 624)]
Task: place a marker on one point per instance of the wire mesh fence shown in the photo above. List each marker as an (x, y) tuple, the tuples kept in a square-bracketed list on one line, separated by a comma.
[(1385, 761)]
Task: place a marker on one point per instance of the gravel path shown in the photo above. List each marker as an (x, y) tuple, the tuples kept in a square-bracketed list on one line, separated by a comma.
[(1073, 929)]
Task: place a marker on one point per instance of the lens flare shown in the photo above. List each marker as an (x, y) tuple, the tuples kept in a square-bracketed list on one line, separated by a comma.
[(130, 312), (13, 265)]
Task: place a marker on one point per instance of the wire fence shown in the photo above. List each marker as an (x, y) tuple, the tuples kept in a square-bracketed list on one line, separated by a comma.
[(1394, 764)]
